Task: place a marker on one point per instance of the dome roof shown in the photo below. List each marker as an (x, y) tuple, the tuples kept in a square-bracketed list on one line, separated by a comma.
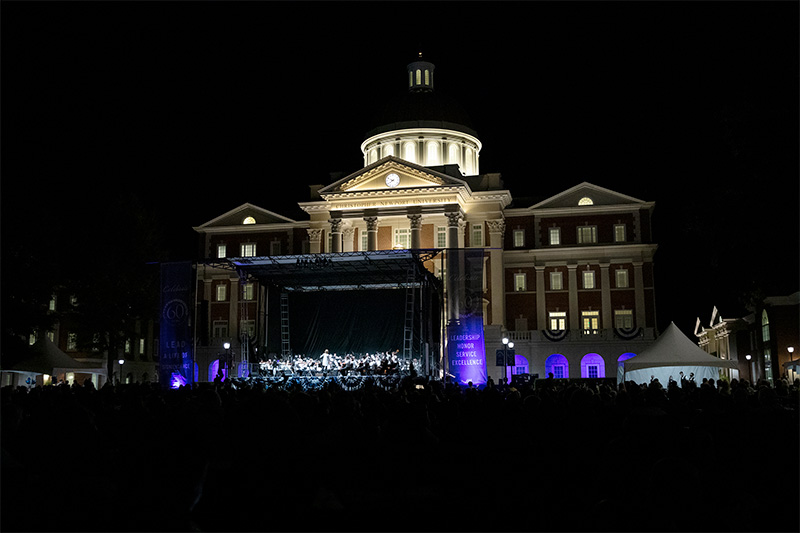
[(422, 109), (421, 106)]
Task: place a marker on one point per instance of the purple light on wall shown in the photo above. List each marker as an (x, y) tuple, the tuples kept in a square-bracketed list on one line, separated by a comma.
[(177, 381), (593, 366), (625, 357), (558, 365), (213, 368)]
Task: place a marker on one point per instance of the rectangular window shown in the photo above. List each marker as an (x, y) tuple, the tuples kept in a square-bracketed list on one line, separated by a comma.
[(588, 279), (619, 233), (364, 240), (248, 291), (558, 371), (220, 328), (249, 250), (556, 281), (592, 371), (141, 346), (52, 306), (621, 276), (587, 234), (72, 342), (558, 321), (477, 235), (623, 318), (519, 238), (275, 248), (247, 327), (520, 282), (222, 292), (555, 236), (222, 251), (441, 236), (402, 238), (127, 346), (591, 321)]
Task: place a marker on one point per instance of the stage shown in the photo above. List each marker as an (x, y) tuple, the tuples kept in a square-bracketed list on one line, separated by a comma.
[(349, 382)]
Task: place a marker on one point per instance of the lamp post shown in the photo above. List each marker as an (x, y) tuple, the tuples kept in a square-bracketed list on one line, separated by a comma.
[(749, 366), (791, 359), (120, 362), (507, 345), (227, 347)]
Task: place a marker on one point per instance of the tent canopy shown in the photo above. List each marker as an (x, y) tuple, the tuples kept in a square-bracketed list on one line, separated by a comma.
[(673, 348), (45, 357)]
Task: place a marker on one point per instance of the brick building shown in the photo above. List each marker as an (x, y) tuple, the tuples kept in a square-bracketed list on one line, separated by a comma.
[(569, 279)]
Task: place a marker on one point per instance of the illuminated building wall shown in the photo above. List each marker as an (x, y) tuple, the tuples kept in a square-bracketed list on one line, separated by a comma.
[(571, 275)]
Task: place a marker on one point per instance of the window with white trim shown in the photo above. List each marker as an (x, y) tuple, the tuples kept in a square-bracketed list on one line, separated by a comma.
[(222, 292), (558, 320), (222, 251), (621, 277), (477, 235), (556, 281), (588, 279), (219, 328), (623, 318), (402, 238), (587, 234), (591, 321), (555, 236), (441, 236), (72, 342), (619, 233), (520, 282), (248, 292), (248, 249), (519, 238)]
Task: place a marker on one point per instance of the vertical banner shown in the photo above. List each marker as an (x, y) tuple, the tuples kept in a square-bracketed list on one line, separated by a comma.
[(465, 347), (176, 362)]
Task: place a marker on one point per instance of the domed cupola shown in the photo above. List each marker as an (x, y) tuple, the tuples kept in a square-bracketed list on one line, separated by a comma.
[(423, 127)]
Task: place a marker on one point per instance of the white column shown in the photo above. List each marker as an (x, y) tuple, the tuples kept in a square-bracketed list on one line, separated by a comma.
[(347, 235), (416, 227), (574, 312), (372, 233), (336, 234), (315, 240), (497, 282)]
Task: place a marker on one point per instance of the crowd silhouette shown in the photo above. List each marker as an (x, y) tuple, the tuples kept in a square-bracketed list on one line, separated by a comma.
[(429, 456)]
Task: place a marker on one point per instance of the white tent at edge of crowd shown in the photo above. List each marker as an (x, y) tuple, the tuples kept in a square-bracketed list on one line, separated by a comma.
[(670, 354)]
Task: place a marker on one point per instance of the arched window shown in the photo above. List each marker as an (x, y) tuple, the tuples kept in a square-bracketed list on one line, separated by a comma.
[(427, 77), (557, 365), (419, 77), (593, 366), (469, 163), (432, 153), (249, 220), (373, 156), (585, 201), (625, 357), (388, 149), (410, 151), (766, 346)]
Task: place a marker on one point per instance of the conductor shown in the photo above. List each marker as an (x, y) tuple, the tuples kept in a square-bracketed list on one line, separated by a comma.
[(326, 361)]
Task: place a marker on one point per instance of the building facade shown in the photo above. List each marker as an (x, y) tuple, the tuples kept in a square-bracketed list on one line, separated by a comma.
[(765, 342), (569, 280)]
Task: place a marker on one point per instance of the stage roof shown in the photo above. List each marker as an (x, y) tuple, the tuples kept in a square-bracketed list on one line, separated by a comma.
[(381, 269)]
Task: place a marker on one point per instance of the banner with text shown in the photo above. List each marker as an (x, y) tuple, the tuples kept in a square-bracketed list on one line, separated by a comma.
[(465, 347), (176, 362)]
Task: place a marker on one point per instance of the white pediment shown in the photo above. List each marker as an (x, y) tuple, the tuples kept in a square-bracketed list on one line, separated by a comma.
[(246, 215), (391, 174), (586, 195)]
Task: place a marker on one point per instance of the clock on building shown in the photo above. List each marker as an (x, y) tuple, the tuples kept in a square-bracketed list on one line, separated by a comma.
[(392, 180)]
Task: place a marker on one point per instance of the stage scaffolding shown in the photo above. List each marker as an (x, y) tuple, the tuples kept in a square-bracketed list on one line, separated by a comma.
[(358, 271)]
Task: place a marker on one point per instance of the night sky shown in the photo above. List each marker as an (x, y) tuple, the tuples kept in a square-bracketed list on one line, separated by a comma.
[(198, 107)]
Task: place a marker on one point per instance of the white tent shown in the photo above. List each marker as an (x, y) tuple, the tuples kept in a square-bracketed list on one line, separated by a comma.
[(671, 354), (45, 357)]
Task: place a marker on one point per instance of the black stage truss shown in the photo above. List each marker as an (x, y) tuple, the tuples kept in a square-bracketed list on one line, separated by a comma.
[(381, 269)]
